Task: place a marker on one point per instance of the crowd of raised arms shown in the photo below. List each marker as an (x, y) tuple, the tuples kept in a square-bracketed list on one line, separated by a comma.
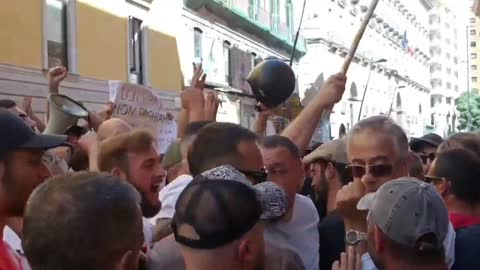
[(224, 197)]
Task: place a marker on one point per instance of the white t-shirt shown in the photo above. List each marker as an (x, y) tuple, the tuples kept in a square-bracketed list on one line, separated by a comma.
[(300, 234), (148, 231), (448, 244), (15, 243), (169, 196)]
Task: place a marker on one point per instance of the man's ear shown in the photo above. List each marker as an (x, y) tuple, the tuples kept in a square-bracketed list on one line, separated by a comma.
[(443, 187), (379, 239), (119, 173), (329, 171), (128, 261), (245, 252)]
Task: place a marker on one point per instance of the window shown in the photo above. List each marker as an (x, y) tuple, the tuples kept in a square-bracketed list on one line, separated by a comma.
[(473, 67), (135, 52), (473, 56), (473, 32), (474, 79), (253, 59), (275, 15), (473, 44), (290, 23), (197, 44), (448, 55), (447, 41), (472, 20), (56, 33), (449, 85), (449, 71), (447, 25), (432, 119), (226, 60), (432, 101), (449, 100)]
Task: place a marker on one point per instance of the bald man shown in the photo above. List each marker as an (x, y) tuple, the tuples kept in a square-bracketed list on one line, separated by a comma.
[(108, 128), (112, 127)]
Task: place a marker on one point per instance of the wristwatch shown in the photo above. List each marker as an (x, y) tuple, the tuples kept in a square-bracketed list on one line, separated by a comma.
[(354, 237)]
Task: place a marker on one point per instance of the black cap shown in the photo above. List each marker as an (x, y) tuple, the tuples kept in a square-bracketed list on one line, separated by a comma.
[(18, 135), (76, 130), (211, 214), (272, 82), (430, 138)]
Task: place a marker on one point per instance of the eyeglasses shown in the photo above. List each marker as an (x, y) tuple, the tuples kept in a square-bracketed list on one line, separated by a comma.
[(378, 170), (434, 179), (426, 158), (259, 177)]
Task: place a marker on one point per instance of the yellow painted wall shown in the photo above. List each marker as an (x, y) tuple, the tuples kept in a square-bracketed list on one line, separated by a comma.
[(21, 33), (165, 72), (101, 40), (164, 63)]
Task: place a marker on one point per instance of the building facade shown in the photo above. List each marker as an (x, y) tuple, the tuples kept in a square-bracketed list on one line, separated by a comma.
[(229, 37), (390, 71), (445, 67), (148, 42), (97, 41), (473, 29)]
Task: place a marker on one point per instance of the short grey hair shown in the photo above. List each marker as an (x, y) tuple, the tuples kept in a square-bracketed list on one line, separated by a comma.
[(385, 125)]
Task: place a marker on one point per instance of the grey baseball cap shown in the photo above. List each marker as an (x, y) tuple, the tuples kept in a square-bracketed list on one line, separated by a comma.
[(407, 210)]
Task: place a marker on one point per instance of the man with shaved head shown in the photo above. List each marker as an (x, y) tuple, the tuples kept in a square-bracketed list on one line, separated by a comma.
[(112, 127), (89, 142)]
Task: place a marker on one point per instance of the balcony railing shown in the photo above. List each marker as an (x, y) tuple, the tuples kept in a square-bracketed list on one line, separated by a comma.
[(254, 19)]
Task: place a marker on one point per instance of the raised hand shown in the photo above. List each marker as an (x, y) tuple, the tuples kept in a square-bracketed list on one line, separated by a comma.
[(198, 79), (332, 91), (55, 76)]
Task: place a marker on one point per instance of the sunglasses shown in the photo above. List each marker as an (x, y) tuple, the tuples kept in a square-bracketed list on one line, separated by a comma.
[(259, 177), (378, 170), (434, 179), (426, 158)]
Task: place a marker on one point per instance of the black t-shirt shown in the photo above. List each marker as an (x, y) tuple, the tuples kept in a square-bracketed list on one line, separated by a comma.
[(332, 234), (467, 247)]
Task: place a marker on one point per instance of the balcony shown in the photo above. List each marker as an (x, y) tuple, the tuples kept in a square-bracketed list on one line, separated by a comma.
[(254, 20)]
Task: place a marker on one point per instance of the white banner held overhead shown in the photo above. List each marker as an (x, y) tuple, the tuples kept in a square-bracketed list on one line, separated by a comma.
[(142, 107)]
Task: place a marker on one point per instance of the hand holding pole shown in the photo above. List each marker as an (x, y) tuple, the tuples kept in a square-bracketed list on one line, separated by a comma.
[(353, 48)]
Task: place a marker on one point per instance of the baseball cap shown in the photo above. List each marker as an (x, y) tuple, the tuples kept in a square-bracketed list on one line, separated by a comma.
[(335, 151), (212, 212), (76, 130), (172, 155), (407, 210), (16, 134), (430, 138)]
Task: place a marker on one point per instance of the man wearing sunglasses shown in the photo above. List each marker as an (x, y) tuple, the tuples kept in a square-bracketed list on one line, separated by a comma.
[(455, 175), (377, 150), (426, 147)]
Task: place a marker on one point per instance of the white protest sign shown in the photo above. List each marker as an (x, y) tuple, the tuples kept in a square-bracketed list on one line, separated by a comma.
[(145, 108)]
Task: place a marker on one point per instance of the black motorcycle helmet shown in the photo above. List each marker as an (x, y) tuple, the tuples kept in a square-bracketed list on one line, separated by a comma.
[(272, 82)]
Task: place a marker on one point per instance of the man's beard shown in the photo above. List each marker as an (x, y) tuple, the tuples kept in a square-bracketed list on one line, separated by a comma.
[(15, 203), (148, 210)]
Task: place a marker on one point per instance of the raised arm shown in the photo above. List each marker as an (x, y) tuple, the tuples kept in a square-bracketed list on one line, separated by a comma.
[(301, 130)]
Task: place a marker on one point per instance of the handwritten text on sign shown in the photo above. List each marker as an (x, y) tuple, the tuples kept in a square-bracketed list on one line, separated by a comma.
[(144, 108)]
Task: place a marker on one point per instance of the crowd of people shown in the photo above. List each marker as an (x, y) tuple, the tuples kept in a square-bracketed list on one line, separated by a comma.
[(100, 196)]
